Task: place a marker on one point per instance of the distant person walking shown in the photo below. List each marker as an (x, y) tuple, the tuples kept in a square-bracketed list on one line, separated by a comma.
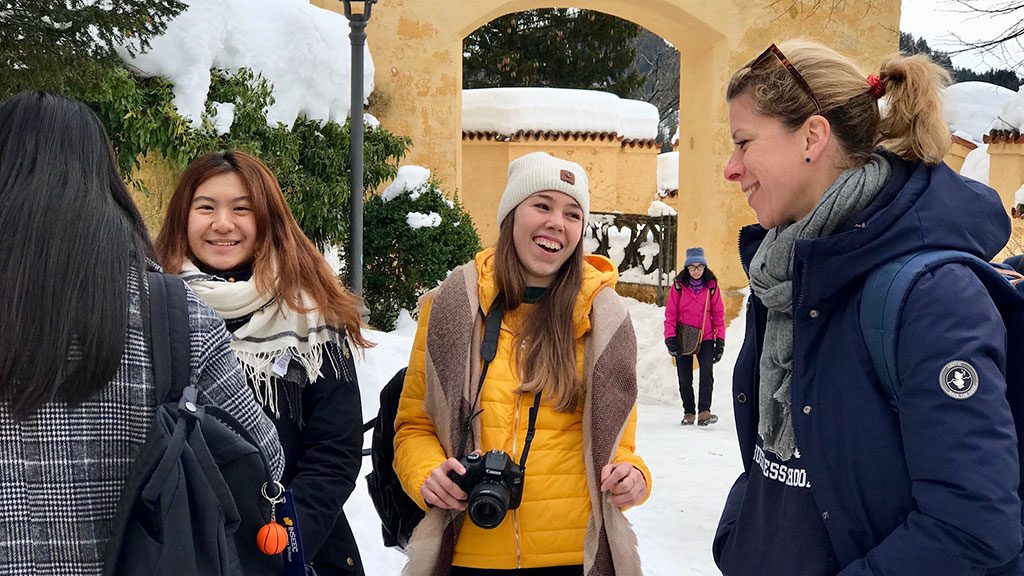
[(695, 326)]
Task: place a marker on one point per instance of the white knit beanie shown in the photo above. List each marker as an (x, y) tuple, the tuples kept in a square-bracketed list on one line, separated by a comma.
[(539, 171)]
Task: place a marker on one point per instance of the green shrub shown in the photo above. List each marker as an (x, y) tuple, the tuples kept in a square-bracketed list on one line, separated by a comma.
[(400, 262), (310, 160)]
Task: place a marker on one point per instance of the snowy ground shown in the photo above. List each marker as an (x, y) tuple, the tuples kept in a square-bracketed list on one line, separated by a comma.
[(693, 467)]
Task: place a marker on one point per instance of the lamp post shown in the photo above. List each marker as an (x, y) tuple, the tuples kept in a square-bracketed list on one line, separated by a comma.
[(358, 14)]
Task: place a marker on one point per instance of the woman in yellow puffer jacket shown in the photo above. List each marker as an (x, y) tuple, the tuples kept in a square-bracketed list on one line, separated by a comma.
[(566, 345)]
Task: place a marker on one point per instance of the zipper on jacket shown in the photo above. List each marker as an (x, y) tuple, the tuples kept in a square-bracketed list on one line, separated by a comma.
[(515, 448)]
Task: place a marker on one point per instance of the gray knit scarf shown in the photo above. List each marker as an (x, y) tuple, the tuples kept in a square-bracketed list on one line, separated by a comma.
[(771, 279)]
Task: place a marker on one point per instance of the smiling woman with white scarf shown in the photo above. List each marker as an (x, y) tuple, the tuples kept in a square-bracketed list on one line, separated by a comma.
[(231, 237)]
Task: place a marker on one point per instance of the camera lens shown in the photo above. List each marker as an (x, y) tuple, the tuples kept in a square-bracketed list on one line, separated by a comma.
[(488, 504)]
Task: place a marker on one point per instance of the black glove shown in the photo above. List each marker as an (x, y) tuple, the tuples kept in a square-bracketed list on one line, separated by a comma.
[(719, 350), (673, 347)]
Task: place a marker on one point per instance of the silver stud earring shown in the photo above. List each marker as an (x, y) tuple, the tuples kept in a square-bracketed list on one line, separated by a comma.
[(807, 159)]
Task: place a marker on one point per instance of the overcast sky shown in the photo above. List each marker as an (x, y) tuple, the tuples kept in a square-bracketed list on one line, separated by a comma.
[(938, 20)]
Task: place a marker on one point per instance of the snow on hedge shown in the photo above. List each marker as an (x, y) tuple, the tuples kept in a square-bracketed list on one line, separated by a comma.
[(303, 50), (417, 220), (511, 110), (412, 179), (972, 106)]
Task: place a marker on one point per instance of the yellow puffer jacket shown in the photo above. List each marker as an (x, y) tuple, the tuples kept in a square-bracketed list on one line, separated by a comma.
[(549, 527)]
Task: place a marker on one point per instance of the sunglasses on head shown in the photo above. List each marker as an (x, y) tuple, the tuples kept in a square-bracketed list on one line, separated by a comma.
[(773, 50)]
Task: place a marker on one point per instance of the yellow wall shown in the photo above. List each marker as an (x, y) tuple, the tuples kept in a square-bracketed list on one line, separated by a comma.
[(1006, 170), (417, 50), (957, 154), (621, 178), (160, 177), (637, 178)]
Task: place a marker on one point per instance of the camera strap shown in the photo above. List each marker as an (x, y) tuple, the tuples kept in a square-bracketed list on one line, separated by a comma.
[(488, 349), (530, 430)]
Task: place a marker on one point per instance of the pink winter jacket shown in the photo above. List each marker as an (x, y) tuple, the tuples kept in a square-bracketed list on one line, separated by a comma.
[(686, 306)]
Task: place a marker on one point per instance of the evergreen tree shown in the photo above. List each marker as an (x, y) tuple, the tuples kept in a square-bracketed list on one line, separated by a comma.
[(657, 62), (1000, 77), (559, 47), (69, 45)]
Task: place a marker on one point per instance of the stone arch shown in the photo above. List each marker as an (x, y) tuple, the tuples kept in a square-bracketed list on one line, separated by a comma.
[(417, 48)]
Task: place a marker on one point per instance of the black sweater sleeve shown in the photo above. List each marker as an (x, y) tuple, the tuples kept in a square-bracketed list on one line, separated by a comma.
[(329, 449)]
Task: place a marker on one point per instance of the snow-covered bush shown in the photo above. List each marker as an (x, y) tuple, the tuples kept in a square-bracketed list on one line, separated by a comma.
[(414, 237)]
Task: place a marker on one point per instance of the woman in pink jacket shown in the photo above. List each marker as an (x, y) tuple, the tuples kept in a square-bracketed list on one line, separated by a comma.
[(694, 300)]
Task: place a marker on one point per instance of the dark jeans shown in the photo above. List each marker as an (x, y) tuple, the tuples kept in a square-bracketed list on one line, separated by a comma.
[(684, 368), (550, 571)]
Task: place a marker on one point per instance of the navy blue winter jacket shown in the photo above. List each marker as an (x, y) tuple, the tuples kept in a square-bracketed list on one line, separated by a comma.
[(931, 489)]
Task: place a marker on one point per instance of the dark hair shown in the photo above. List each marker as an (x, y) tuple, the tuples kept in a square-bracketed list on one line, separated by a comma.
[(69, 235), (684, 276), (912, 124), (286, 262)]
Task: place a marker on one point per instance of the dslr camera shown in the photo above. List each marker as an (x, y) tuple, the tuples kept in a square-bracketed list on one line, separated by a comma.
[(494, 485)]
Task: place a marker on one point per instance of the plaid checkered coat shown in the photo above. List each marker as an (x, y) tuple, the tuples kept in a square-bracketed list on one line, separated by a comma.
[(62, 470)]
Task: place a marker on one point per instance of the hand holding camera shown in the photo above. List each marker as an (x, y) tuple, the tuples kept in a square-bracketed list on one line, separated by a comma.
[(494, 484), (440, 491)]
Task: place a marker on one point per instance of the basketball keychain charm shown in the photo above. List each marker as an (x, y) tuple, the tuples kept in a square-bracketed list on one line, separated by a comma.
[(272, 538)]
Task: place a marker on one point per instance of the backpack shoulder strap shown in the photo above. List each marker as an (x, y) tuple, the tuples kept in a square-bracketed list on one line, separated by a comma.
[(885, 294), (169, 335)]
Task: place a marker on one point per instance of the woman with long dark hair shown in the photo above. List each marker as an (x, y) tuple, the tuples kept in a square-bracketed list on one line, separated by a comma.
[(230, 235), (76, 374), (566, 347), (694, 315)]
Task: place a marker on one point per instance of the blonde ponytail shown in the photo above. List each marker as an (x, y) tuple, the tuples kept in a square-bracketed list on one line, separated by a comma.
[(913, 125)]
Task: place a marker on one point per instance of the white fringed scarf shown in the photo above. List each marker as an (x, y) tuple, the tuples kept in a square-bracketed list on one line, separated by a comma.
[(274, 333)]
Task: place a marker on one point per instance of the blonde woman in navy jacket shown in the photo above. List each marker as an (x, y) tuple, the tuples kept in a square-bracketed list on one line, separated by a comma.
[(835, 480)]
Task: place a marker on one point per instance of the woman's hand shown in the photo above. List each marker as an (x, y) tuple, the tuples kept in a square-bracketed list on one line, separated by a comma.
[(440, 491), (624, 484)]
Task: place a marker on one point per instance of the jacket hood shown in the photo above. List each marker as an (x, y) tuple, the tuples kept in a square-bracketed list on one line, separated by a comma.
[(920, 207), (598, 273)]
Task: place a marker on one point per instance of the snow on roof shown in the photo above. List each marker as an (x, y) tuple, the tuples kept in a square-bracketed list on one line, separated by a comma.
[(976, 164), (668, 171), (303, 50), (1011, 114), (409, 179), (510, 111), (970, 107)]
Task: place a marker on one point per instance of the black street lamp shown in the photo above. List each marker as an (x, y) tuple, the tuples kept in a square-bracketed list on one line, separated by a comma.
[(358, 14)]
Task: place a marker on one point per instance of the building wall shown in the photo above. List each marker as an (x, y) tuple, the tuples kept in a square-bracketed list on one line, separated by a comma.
[(160, 177), (1006, 170), (417, 50), (621, 178), (957, 154)]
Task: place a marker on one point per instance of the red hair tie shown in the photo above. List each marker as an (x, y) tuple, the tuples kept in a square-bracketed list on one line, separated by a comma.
[(877, 87)]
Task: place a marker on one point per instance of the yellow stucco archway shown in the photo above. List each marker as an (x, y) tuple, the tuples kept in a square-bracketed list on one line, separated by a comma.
[(417, 50)]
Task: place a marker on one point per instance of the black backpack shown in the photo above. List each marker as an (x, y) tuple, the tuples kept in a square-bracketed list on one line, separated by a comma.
[(192, 503), (398, 513)]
